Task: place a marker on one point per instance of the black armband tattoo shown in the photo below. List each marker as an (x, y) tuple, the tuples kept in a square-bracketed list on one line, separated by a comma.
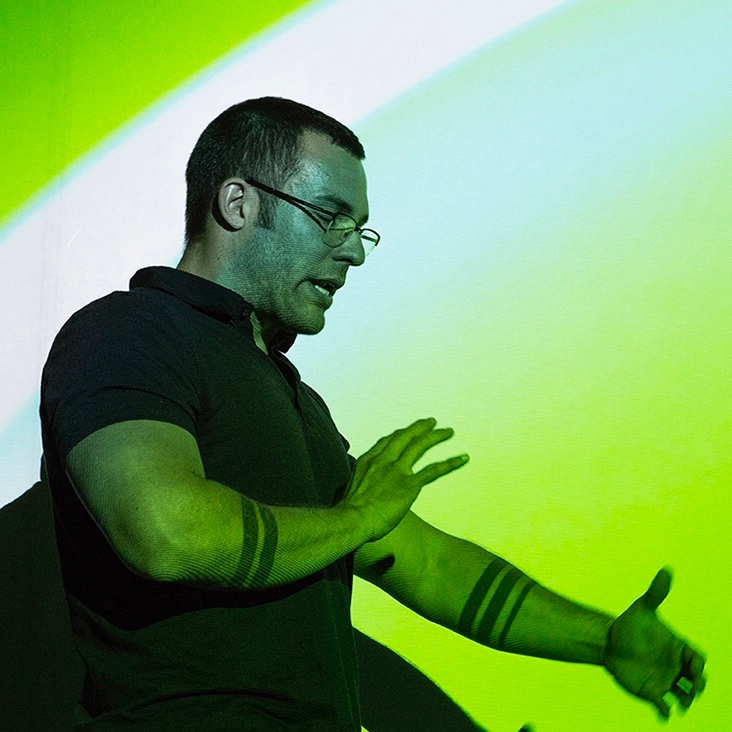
[(514, 612), (494, 603), (269, 546), (259, 545), (481, 589)]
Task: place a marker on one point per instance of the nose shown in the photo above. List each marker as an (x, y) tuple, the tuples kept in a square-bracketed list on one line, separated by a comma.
[(351, 250)]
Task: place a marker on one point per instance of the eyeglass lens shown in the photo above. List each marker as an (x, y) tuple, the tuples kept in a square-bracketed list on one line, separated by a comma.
[(343, 226)]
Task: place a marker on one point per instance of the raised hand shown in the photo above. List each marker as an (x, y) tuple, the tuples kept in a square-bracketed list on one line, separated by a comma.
[(647, 659), (383, 485)]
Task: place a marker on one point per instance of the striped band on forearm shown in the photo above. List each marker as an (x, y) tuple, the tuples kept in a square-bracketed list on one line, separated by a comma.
[(259, 545), (514, 612), (481, 589), (494, 603), (250, 525), (269, 547)]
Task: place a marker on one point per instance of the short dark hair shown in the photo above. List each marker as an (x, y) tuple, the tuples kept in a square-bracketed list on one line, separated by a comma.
[(257, 138)]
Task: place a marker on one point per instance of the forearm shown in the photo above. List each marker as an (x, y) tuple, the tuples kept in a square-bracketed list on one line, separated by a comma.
[(548, 625), (218, 537), (483, 597)]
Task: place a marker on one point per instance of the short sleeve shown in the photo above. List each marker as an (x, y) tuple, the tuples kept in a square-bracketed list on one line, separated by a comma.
[(120, 358)]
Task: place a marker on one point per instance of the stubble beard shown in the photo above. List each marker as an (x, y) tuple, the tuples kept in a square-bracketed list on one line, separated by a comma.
[(282, 298)]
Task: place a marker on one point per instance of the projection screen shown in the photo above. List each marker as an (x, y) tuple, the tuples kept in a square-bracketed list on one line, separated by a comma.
[(553, 186)]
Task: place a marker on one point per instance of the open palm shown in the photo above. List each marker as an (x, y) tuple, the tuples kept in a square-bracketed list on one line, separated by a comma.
[(647, 659)]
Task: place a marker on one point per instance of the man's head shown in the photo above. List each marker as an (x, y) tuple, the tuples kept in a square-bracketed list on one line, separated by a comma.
[(247, 228), (260, 139)]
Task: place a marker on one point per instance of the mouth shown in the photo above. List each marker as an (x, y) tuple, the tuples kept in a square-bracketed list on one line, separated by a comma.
[(321, 294), (327, 288)]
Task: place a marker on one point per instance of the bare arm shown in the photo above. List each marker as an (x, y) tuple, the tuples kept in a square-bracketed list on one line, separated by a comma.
[(144, 483), (473, 592), (458, 584)]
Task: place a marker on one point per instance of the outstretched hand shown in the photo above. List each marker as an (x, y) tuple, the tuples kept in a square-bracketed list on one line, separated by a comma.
[(647, 659)]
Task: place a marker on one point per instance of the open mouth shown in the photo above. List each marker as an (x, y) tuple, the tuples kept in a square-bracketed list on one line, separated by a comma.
[(324, 287)]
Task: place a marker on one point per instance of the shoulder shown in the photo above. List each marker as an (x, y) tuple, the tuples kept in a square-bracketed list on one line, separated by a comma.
[(121, 335), (120, 320), (120, 358), (119, 308)]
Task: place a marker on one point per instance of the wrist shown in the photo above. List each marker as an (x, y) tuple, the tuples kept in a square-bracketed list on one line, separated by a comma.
[(609, 622), (350, 523)]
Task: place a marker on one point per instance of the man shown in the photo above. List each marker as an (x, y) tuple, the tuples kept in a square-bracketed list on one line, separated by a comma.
[(209, 519)]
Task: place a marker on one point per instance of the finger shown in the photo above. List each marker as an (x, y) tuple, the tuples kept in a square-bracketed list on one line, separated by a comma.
[(397, 435), (377, 447), (696, 668), (658, 590), (684, 690), (420, 444), (663, 707), (434, 471), (398, 441), (692, 672), (362, 464), (685, 693)]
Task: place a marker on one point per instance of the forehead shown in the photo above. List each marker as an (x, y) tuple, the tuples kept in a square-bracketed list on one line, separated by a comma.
[(329, 173)]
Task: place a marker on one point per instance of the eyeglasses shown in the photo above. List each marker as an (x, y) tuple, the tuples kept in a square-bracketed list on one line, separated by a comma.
[(337, 228)]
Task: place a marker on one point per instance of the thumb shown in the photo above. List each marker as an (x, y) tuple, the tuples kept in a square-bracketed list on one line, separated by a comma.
[(658, 590)]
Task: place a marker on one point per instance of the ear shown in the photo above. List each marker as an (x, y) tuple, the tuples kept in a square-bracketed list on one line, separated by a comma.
[(237, 204)]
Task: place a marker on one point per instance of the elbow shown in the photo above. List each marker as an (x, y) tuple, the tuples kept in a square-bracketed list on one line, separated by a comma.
[(151, 563), (150, 551)]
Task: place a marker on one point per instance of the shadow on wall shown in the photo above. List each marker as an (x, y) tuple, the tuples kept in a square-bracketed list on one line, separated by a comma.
[(41, 673)]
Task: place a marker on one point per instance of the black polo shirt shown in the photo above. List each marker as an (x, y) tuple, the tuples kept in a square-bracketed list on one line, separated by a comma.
[(164, 656)]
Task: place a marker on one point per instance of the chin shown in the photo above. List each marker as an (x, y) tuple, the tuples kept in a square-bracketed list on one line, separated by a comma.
[(307, 326), (311, 328)]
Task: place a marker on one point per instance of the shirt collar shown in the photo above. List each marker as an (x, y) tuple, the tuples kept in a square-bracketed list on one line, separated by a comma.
[(205, 296)]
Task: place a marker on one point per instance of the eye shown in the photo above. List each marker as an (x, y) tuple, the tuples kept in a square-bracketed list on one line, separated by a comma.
[(326, 219), (342, 222)]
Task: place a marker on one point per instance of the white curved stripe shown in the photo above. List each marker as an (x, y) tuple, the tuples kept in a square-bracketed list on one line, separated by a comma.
[(122, 208)]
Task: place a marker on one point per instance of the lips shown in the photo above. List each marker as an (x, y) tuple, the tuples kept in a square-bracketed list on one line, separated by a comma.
[(329, 285), (322, 296), (322, 290)]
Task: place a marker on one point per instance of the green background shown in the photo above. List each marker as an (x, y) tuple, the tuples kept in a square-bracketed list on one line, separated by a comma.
[(73, 71), (553, 282)]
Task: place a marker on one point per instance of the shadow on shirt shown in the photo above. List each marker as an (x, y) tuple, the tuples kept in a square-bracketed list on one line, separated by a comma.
[(41, 673)]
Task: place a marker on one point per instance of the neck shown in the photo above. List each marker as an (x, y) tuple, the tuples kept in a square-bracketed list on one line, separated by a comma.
[(198, 261), (261, 336)]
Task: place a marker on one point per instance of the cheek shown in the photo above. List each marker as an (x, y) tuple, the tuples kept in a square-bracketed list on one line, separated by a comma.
[(290, 262)]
